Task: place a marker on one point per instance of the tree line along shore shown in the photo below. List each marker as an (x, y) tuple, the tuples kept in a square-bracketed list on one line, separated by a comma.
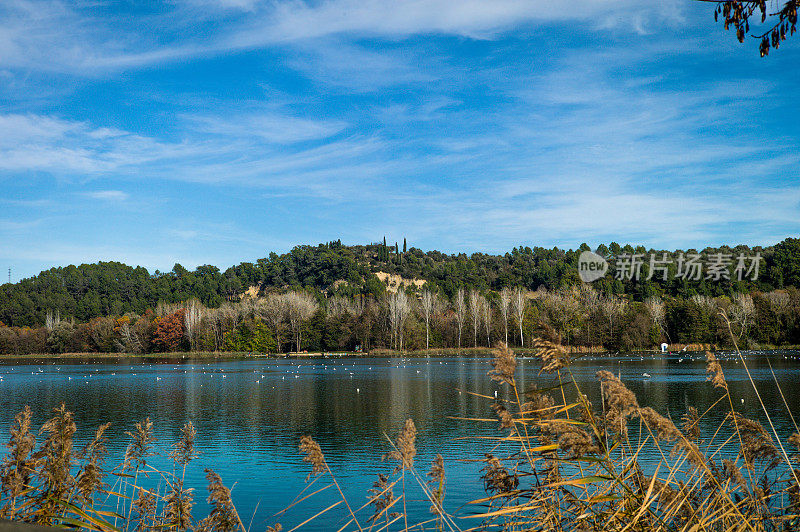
[(336, 298)]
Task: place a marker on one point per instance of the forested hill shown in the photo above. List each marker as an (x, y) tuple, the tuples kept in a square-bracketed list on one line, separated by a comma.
[(111, 288)]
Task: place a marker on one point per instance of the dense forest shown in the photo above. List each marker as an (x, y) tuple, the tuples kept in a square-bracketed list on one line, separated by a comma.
[(350, 302)]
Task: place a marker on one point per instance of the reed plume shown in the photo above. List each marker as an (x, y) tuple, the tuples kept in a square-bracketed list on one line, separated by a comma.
[(145, 505), (794, 439), (539, 405), (140, 448), (223, 516), (620, 402), (571, 438), (55, 468), (756, 443), (381, 496), (405, 446), (505, 365), (731, 471), (665, 428), (18, 466), (313, 455), (505, 417), (90, 477), (177, 514), (183, 450), (437, 478), (714, 370), (554, 356), (496, 478), (691, 424)]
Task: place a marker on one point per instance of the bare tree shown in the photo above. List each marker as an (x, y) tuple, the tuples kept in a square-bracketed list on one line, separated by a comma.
[(130, 341), (655, 306), (612, 307), (248, 307), (460, 308), (299, 308), (475, 314), (229, 312), (273, 310), (779, 301), (589, 300), (486, 317), (706, 303), (216, 321), (518, 303), (742, 311), (192, 317), (431, 303), (504, 299), (51, 321), (164, 309), (340, 306), (399, 307), (367, 316), (564, 308)]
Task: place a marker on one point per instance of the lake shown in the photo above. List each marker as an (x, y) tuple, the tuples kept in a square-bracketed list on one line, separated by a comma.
[(251, 413)]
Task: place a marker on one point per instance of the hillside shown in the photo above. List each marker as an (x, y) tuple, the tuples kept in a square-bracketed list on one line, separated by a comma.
[(111, 288)]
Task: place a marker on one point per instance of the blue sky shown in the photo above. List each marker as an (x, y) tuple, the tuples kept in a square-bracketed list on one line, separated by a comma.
[(216, 131)]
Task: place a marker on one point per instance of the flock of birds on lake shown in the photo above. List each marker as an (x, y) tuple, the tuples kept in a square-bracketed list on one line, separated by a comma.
[(295, 369)]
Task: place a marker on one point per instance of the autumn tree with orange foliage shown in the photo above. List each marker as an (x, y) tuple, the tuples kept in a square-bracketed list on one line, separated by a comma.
[(170, 331)]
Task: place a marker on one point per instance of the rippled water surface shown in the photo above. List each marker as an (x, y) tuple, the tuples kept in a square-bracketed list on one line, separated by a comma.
[(250, 414)]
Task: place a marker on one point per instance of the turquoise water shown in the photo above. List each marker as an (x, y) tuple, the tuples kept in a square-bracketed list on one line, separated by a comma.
[(250, 414)]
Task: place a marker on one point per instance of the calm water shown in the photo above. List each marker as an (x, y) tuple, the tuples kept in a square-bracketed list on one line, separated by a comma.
[(250, 414)]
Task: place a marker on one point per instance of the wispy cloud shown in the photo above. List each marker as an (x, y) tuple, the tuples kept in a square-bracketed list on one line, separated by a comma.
[(265, 126), (337, 63), (58, 36), (108, 195)]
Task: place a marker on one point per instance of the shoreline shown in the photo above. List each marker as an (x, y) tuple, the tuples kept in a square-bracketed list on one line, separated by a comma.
[(375, 353)]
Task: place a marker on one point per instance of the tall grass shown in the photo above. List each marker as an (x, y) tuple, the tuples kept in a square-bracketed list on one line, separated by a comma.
[(558, 462), (561, 463), (57, 485)]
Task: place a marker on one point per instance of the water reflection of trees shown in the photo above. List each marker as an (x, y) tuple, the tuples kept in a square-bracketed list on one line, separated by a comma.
[(236, 413)]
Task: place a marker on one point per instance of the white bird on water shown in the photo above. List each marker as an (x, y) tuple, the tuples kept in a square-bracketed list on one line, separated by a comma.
[(646, 375)]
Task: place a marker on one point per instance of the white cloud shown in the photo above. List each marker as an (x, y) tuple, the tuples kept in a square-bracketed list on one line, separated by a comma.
[(108, 195)]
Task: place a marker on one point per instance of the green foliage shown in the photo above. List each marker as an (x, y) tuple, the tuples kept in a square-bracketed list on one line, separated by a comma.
[(61, 338), (252, 336), (111, 288)]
